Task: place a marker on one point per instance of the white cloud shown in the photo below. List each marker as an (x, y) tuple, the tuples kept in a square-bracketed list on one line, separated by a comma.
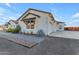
[(69, 22), (12, 18), (2, 13), (76, 15), (72, 22), (6, 15), (8, 4)]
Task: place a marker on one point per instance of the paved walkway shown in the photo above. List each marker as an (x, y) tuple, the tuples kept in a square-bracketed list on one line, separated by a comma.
[(25, 40), (67, 34)]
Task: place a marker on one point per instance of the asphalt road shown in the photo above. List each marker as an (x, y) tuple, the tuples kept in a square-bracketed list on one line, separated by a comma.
[(50, 46), (11, 48)]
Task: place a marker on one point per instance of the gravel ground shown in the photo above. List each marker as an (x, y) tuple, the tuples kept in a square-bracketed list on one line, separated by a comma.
[(30, 38), (26, 40)]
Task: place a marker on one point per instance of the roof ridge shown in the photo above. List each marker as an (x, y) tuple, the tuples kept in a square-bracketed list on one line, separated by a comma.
[(39, 10), (33, 9)]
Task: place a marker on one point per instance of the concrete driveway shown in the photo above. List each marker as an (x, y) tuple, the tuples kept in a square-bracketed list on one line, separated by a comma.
[(66, 34)]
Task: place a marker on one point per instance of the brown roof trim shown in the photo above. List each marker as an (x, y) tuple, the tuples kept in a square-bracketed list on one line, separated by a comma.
[(32, 9), (28, 18), (32, 14)]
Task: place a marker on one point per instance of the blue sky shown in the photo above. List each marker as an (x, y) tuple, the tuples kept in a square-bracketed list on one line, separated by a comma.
[(68, 13)]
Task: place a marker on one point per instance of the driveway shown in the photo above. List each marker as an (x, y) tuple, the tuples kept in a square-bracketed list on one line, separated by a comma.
[(50, 46), (66, 34), (56, 46)]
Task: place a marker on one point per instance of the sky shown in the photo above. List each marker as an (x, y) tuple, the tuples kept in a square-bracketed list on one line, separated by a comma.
[(64, 12)]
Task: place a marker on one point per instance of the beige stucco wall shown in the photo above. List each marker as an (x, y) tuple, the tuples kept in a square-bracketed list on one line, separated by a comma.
[(40, 24), (53, 26)]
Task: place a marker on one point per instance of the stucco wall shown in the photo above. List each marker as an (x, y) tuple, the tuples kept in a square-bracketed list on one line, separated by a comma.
[(40, 24), (54, 27)]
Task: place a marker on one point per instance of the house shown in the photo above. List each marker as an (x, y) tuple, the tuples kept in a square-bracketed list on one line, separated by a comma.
[(39, 22), (2, 27), (11, 24)]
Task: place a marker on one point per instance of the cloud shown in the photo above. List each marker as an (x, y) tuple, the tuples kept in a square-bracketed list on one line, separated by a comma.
[(68, 22), (6, 15), (72, 22), (8, 4), (76, 15), (2, 13), (13, 17)]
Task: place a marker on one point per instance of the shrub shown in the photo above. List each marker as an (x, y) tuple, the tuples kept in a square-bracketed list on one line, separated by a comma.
[(40, 33), (14, 30), (9, 30), (29, 33), (17, 29)]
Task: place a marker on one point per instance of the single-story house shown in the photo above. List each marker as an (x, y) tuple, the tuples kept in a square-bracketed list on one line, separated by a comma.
[(2, 27), (39, 22), (11, 24)]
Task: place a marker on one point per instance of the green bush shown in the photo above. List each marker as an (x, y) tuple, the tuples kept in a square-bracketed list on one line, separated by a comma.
[(9, 30), (16, 30), (29, 33)]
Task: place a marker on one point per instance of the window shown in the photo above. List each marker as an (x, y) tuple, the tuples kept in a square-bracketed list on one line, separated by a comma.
[(60, 27), (30, 23)]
